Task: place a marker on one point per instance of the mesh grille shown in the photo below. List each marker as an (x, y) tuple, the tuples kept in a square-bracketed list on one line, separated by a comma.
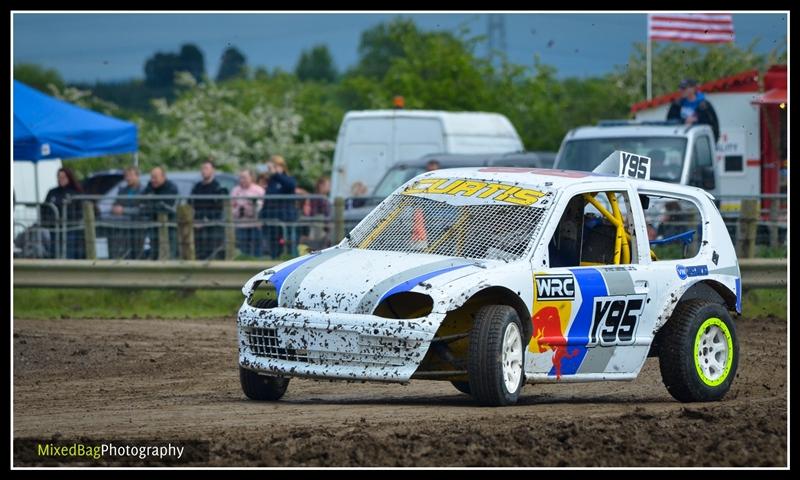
[(406, 223), (263, 342)]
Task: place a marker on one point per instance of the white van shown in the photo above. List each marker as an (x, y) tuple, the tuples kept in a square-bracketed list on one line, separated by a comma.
[(681, 154), (370, 142)]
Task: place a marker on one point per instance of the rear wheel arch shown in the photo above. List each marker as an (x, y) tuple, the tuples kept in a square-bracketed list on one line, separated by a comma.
[(712, 291), (707, 290)]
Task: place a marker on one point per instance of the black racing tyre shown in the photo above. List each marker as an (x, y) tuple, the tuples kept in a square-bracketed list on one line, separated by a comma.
[(262, 387), (496, 361), (698, 351), (462, 387)]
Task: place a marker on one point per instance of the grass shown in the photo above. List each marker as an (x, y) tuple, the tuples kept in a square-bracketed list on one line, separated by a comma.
[(42, 303), (762, 302), (765, 251), (107, 303)]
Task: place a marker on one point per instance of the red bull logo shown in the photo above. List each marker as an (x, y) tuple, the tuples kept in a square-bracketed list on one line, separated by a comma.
[(549, 334)]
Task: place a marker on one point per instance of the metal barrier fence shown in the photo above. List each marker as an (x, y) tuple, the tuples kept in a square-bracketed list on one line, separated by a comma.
[(130, 274), (212, 227)]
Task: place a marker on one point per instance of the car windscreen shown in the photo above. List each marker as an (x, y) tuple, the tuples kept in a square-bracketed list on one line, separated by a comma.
[(667, 154), (394, 178), (408, 223)]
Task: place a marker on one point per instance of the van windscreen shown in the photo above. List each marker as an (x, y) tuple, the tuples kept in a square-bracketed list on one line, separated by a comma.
[(667, 154)]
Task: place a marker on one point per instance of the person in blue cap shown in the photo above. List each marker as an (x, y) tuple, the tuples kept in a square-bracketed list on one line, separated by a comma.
[(693, 107)]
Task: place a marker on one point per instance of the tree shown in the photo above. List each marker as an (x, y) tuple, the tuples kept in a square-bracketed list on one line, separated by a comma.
[(161, 68), (209, 120), (382, 44), (233, 64), (675, 61), (316, 65), (37, 77), (191, 60), (439, 72)]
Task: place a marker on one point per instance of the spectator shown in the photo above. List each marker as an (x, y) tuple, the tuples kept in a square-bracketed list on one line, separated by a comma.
[(319, 206), (150, 208), (357, 191), (68, 186), (316, 235), (263, 180), (693, 107), (432, 165), (248, 233), (126, 242), (209, 240), (280, 183), (126, 207)]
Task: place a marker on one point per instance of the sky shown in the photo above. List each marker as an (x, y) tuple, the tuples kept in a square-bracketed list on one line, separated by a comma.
[(85, 47)]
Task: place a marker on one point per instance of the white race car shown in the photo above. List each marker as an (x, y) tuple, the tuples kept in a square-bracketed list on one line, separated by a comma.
[(494, 277)]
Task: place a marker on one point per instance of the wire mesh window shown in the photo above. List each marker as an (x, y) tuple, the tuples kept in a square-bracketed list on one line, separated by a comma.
[(406, 223)]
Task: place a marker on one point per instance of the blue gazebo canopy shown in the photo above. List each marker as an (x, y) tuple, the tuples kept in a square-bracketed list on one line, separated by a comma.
[(45, 127)]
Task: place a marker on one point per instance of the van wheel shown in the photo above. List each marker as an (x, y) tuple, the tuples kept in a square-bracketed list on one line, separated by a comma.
[(698, 351), (496, 356)]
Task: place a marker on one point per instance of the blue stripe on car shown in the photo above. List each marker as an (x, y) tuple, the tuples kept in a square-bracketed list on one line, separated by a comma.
[(411, 283), (591, 283), (739, 295), (279, 277)]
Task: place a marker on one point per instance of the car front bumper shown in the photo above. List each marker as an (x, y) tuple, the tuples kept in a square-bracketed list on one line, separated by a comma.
[(306, 343)]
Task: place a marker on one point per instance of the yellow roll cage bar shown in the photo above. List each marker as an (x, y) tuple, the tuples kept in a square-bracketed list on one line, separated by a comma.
[(622, 249)]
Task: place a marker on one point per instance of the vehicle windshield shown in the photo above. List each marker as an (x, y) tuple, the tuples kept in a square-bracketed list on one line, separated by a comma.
[(394, 178), (408, 223), (667, 154)]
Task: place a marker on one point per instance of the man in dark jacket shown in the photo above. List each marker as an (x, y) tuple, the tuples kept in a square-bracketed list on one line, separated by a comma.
[(151, 207), (693, 107), (209, 239), (281, 209)]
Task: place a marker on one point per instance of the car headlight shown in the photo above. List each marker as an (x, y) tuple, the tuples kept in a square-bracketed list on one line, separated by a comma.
[(263, 294)]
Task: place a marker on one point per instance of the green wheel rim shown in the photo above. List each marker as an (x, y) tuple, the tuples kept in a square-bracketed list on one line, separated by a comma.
[(713, 352)]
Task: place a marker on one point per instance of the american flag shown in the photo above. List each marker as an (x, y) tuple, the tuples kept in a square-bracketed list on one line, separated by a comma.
[(690, 27)]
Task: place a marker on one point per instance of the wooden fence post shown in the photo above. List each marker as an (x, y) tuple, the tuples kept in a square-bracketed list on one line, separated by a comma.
[(774, 211), (748, 227), (163, 236), (186, 231), (89, 230), (230, 231), (338, 219)]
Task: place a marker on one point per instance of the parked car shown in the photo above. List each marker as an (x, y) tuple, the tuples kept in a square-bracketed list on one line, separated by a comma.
[(98, 183), (491, 278)]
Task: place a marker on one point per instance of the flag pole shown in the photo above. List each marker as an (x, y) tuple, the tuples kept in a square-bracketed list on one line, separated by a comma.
[(649, 62)]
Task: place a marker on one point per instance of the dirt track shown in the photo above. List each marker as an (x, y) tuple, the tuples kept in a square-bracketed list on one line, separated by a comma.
[(177, 379)]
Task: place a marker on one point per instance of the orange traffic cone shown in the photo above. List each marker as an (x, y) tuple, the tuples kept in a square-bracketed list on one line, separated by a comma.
[(419, 235)]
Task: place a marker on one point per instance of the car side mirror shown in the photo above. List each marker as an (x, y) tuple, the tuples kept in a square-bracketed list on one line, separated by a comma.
[(645, 201), (708, 179)]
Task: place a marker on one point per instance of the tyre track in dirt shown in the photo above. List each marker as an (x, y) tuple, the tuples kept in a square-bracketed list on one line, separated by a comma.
[(178, 379)]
